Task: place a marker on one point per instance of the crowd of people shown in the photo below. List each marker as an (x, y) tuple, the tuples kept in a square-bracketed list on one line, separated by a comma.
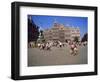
[(73, 46)]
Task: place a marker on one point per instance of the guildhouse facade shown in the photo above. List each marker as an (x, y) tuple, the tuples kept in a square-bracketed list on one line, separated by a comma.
[(59, 32)]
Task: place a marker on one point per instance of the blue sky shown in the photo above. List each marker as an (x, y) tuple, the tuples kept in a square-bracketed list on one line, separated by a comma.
[(44, 22)]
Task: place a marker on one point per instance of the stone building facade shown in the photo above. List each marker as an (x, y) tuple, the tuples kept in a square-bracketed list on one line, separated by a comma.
[(59, 32)]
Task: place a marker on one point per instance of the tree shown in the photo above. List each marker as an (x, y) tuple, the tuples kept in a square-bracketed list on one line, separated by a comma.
[(76, 39), (33, 30), (85, 37)]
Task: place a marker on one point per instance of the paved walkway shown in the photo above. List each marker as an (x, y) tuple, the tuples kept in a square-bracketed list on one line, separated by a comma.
[(56, 56)]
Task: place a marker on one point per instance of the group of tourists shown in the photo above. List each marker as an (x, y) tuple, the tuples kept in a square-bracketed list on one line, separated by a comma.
[(44, 46), (73, 46), (48, 45)]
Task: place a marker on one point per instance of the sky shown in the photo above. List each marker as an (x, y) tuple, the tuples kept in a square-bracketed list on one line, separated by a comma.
[(46, 22)]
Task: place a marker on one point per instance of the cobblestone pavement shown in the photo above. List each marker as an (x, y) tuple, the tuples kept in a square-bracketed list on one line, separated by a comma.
[(56, 56)]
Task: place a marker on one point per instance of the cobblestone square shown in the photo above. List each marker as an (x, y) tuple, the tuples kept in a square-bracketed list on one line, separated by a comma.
[(56, 56)]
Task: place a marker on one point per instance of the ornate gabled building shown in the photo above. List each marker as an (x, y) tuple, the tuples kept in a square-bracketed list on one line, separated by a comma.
[(62, 33)]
